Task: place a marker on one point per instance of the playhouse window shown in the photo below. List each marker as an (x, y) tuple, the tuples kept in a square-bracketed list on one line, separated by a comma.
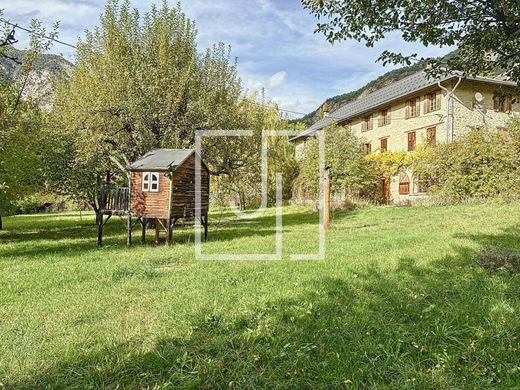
[(151, 181)]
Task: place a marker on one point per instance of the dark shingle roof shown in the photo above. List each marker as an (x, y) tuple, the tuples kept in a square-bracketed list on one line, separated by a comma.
[(161, 159), (397, 90)]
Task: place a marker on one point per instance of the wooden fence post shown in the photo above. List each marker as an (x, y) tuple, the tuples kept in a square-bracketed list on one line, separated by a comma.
[(326, 198)]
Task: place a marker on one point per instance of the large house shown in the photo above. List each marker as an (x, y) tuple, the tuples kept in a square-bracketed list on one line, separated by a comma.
[(419, 109)]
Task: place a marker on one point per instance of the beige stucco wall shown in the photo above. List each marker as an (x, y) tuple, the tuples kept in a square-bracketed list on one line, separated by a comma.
[(399, 127), (462, 111), (299, 148), (466, 115)]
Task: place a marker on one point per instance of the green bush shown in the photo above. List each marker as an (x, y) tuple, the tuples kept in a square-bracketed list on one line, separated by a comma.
[(479, 165)]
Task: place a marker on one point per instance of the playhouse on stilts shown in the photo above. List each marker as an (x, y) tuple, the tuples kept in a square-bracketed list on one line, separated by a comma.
[(162, 190)]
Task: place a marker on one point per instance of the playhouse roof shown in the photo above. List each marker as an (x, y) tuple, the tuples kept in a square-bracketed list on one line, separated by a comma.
[(161, 160)]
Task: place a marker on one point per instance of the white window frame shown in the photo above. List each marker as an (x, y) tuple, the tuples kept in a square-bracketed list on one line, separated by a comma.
[(145, 181), (150, 179)]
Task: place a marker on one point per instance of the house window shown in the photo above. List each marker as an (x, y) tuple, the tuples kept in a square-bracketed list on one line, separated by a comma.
[(404, 183), (150, 182), (412, 108), (384, 145), (366, 148), (411, 141), (432, 102), (367, 123), (421, 185), (431, 136), (384, 117)]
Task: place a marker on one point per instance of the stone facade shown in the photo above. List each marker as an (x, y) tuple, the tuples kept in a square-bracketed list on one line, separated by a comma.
[(415, 114)]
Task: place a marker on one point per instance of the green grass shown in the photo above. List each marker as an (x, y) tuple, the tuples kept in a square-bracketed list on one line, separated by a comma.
[(399, 303)]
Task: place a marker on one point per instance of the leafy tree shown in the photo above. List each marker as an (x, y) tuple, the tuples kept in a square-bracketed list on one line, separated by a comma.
[(20, 171), (351, 175), (21, 124), (140, 83), (487, 33)]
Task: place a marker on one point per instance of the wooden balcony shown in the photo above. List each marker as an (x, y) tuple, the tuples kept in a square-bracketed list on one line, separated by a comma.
[(116, 200)]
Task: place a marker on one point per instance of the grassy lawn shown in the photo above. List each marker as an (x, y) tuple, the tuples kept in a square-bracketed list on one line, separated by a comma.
[(398, 303)]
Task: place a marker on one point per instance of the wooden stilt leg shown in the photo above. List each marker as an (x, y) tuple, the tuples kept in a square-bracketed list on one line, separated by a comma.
[(157, 230), (129, 228), (168, 231), (143, 230), (206, 227)]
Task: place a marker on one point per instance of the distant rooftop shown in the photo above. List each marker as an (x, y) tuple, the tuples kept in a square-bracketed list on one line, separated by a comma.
[(397, 90), (161, 160)]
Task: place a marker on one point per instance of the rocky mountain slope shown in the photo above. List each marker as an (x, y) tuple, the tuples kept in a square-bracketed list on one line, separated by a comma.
[(41, 79)]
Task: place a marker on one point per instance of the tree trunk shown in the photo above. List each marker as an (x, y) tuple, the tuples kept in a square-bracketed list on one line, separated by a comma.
[(1, 224), (99, 223)]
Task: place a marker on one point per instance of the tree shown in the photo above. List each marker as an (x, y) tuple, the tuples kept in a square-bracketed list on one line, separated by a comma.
[(487, 33), (351, 175), (140, 83), (19, 161), (21, 124)]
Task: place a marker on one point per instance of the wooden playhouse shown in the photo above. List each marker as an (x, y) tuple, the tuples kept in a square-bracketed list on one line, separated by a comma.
[(162, 190)]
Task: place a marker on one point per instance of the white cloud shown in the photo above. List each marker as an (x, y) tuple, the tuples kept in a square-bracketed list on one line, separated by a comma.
[(277, 79)]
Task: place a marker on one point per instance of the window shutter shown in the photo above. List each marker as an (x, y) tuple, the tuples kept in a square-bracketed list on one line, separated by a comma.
[(411, 141), (438, 101), (381, 119), (427, 103), (431, 136), (507, 104), (503, 131), (496, 103), (370, 124), (384, 145), (407, 110), (418, 107)]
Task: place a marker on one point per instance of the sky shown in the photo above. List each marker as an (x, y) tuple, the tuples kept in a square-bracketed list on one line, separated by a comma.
[(274, 41)]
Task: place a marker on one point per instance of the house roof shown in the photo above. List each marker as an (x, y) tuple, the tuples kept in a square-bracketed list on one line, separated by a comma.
[(161, 160), (397, 90)]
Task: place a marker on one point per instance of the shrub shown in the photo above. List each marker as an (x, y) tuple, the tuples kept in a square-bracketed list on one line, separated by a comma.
[(481, 164), (499, 258)]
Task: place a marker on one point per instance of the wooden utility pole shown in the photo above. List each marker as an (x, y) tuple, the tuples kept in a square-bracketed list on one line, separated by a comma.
[(326, 198)]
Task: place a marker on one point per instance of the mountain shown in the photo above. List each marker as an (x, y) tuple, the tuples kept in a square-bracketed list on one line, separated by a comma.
[(333, 103), (40, 83)]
